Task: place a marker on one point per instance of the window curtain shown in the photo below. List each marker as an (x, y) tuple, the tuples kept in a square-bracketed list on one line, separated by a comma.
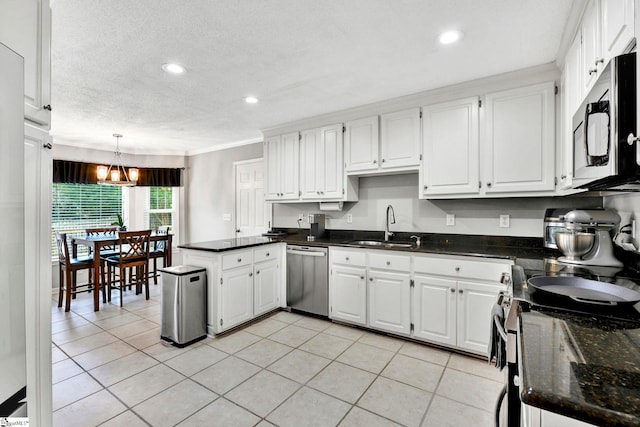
[(68, 172)]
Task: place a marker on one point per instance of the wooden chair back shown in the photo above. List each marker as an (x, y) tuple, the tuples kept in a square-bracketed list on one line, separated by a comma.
[(134, 246), (63, 248), (102, 231), (161, 245)]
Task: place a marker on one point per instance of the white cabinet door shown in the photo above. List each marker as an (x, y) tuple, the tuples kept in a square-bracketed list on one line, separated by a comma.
[(236, 296), (289, 163), (592, 60), (390, 301), (332, 173), (311, 163), (272, 156), (617, 27), (265, 285), (451, 148), (321, 169), (434, 309), (282, 162), (519, 140), (400, 139), (571, 99), (25, 27), (475, 301), (348, 294), (361, 142)]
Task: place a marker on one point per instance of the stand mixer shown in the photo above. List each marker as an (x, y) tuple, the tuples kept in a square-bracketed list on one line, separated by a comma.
[(587, 240)]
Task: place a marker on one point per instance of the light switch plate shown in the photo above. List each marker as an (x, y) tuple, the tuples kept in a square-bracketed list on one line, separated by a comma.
[(349, 218), (505, 221), (226, 217), (451, 220)]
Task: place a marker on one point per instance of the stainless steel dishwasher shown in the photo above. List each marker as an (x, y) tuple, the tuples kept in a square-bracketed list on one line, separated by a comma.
[(307, 279)]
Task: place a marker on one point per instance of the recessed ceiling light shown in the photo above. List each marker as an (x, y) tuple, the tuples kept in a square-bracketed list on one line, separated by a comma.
[(251, 100), (172, 68), (449, 37)]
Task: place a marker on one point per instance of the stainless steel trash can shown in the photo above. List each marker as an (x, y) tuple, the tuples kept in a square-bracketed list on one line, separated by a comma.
[(184, 304)]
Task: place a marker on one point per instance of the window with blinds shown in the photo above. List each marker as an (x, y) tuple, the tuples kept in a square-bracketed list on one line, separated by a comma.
[(162, 209), (76, 207)]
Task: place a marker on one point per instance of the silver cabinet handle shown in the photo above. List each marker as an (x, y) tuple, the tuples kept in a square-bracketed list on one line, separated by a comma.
[(250, 274), (371, 279), (239, 259), (489, 184), (361, 277), (346, 258), (563, 177), (267, 253), (388, 262), (452, 290), (257, 272), (592, 71), (383, 160), (375, 161), (460, 291), (598, 61), (457, 268)]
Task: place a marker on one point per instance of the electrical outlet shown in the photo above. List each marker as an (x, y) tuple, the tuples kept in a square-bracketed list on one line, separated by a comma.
[(349, 218), (504, 221), (451, 220)]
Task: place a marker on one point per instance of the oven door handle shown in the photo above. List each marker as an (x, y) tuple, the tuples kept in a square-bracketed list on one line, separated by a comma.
[(500, 327)]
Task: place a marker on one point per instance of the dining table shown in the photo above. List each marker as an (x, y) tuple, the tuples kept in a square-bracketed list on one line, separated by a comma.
[(96, 243)]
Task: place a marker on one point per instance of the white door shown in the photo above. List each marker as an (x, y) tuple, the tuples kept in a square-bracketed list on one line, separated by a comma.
[(236, 297), (265, 281), (519, 140), (434, 309), (475, 301), (348, 294), (361, 141), (389, 301), (252, 212), (400, 139), (451, 148)]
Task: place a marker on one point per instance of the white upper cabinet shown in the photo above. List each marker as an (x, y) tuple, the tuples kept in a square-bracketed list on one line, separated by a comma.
[(592, 59), (395, 148), (282, 162), (25, 27), (518, 140), (400, 139), (321, 164), (617, 27), (450, 146), (361, 142), (571, 98)]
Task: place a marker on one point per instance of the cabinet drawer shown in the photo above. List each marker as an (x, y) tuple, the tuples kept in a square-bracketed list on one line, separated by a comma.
[(382, 260), (265, 253), (461, 268), (348, 257), (236, 259)]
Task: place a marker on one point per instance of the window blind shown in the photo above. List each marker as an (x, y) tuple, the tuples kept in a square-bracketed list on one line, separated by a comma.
[(76, 207)]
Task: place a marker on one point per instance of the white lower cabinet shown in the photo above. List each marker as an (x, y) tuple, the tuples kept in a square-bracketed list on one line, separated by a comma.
[(265, 280), (348, 287), (236, 296), (437, 298), (536, 417), (434, 308), (241, 284), (390, 301)]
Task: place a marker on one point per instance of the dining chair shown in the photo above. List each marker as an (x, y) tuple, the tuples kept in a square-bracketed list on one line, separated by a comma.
[(69, 265), (133, 254), (105, 251), (160, 248)]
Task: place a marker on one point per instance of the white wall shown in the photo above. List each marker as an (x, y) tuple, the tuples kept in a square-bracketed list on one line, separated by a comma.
[(472, 216), (211, 192)]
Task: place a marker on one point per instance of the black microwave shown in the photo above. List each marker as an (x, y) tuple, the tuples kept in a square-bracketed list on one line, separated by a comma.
[(602, 157)]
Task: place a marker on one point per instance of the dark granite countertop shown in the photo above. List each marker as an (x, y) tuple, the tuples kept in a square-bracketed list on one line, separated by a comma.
[(229, 244), (584, 367)]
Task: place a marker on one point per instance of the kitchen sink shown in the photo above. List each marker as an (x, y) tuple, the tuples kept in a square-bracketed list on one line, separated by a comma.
[(378, 243)]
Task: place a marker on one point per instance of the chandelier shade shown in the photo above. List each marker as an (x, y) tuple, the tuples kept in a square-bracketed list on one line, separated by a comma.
[(116, 174)]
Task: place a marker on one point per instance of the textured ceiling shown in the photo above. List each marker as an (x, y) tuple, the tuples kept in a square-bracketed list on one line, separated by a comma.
[(301, 58)]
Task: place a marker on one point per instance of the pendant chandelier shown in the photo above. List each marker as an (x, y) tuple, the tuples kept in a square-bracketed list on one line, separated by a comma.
[(116, 174)]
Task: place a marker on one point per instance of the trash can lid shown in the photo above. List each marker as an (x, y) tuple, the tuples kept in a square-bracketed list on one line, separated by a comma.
[(181, 270)]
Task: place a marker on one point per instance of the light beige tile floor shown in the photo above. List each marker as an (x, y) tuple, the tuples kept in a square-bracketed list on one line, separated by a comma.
[(110, 368)]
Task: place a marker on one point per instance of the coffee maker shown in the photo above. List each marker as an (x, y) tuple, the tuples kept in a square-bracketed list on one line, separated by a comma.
[(587, 239), (316, 226)]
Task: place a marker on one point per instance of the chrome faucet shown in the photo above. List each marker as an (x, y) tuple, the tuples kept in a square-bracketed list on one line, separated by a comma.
[(391, 219)]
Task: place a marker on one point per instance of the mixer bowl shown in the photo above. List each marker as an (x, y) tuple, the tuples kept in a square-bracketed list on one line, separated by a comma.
[(574, 244)]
